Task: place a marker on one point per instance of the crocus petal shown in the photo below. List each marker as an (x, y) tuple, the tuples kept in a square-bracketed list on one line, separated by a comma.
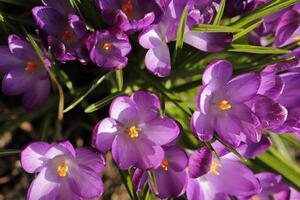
[(208, 42), (8, 61), (90, 159), (77, 25), (16, 82), (161, 130), (218, 72), (49, 20), (63, 6), (204, 97), (240, 180), (32, 157), (193, 190), (290, 96), (200, 124), (139, 179), (104, 133), (243, 87), (158, 61), (268, 179), (228, 129), (200, 162), (124, 110), (149, 155), (123, 152), (85, 182), (65, 192), (21, 48), (251, 149), (170, 183), (43, 187), (150, 37), (148, 105), (177, 158), (37, 94), (61, 148)]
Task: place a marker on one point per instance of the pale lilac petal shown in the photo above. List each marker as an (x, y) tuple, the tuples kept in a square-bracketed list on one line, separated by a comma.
[(251, 149), (104, 133), (21, 48), (200, 162), (61, 148), (8, 61), (158, 60), (177, 158), (43, 187), (204, 97), (201, 126), (218, 72), (243, 87), (90, 159), (290, 96), (65, 192), (33, 156), (124, 110), (150, 37), (124, 152), (161, 131), (139, 179), (194, 190)]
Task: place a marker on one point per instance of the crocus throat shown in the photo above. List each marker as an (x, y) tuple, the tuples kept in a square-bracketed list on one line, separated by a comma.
[(255, 197), (214, 167), (68, 35), (62, 170), (107, 45), (224, 105), (127, 7), (134, 132), (165, 165), (31, 66)]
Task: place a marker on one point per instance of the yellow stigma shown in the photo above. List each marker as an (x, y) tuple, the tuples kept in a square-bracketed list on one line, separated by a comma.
[(224, 105), (62, 170), (31, 66), (297, 37), (214, 167), (127, 7), (165, 165), (107, 45), (134, 132), (255, 197)]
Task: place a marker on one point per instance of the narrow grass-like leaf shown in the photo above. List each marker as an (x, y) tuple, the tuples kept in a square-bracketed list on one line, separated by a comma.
[(9, 152), (17, 2), (126, 179), (119, 76), (256, 49), (215, 28), (219, 15), (264, 11), (291, 139), (280, 146), (180, 34), (247, 30), (92, 88), (103, 102)]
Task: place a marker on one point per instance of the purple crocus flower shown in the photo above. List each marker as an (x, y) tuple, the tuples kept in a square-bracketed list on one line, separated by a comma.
[(241, 7), (156, 37), (63, 172), (25, 73), (109, 49), (217, 179), (129, 15), (135, 131), (221, 106), (170, 177), (64, 31)]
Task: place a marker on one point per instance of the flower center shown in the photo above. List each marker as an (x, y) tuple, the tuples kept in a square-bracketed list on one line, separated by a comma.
[(127, 7), (134, 132), (165, 165), (224, 105), (107, 45), (214, 167), (68, 35), (31, 66), (255, 197), (62, 170)]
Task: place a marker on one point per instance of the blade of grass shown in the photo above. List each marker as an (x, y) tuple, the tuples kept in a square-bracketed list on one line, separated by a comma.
[(8, 152), (119, 76), (215, 28), (247, 30), (219, 15), (256, 49)]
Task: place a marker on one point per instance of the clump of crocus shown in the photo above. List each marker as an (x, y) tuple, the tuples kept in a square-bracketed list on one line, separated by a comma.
[(241, 7), (211, 178), (170, 178), (221, 106), (63, 172), (135, 131), (109, 49), (156, 37), (25, 72), (64, 31), (129, 15)]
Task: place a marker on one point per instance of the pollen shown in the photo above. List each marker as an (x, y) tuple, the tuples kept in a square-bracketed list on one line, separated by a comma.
[(214, 167), (134, 132), (62, 170), (31, 66), (107, 45), (165, 165), (224, 105), (255, 197), (127, 7), (68, 35)]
